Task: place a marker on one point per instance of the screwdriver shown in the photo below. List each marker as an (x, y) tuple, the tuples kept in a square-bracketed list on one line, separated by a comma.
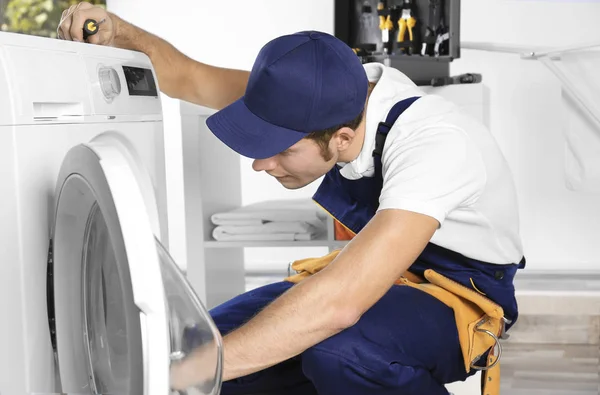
[(90, 27)]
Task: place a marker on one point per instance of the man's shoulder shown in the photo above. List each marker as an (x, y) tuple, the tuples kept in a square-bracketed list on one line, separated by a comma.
[(421, 145), (428, 120)]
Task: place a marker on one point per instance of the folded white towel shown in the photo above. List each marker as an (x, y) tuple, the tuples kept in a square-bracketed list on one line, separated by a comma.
[(268, 228), (220, 235), (268, 231), (300, 210)]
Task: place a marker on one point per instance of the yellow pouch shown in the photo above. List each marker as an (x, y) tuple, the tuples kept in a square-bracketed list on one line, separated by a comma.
[(479, 321), (310, 266)]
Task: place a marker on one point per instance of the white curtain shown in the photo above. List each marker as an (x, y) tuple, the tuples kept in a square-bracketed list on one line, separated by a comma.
[(582, 135)]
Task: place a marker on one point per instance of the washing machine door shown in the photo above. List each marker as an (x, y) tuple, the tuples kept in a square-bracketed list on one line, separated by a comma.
[(123, 310)]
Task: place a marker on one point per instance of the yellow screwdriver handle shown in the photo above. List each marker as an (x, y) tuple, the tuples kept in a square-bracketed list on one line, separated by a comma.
[(380, 7), (381, 22)]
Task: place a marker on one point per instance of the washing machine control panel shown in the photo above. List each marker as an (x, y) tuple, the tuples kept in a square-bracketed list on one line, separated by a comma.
[(139, 80), (119, 86)]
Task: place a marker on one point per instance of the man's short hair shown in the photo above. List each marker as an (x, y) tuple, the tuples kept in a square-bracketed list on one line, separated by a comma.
[(323, 137)]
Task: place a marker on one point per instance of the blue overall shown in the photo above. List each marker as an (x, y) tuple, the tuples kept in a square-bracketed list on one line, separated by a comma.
[(406, 344)]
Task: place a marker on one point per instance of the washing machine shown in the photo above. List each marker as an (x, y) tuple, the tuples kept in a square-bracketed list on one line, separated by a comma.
[(90, 300)]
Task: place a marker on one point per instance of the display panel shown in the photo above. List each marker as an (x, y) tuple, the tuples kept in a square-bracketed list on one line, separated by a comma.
[(140, 81)]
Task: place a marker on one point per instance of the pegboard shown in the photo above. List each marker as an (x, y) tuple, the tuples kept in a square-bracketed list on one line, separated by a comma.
[(357, 23)]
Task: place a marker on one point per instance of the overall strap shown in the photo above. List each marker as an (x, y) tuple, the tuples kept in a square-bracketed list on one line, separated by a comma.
[(384, 127), (354, 202)]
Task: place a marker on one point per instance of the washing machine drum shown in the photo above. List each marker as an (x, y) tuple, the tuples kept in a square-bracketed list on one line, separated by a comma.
[(121, 310)]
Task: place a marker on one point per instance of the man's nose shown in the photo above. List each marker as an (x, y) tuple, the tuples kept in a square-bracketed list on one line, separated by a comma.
[(267, 164)]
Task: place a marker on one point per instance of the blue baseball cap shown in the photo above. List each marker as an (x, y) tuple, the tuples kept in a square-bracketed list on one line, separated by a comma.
[(299, 84)]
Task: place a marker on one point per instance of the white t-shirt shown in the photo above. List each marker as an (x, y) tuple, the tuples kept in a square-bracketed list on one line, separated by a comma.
[(441, 162)]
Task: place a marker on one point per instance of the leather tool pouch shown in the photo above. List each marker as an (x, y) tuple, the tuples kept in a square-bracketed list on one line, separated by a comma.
[(479, 321)]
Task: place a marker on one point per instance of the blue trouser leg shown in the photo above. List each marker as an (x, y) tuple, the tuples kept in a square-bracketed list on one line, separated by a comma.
[(406, 344)]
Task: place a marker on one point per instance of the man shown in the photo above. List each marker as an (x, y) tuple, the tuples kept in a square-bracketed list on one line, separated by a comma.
[(420, 185)]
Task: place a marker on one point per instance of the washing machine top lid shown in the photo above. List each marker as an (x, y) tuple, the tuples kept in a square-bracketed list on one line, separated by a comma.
[(53, 44), (44, 80)]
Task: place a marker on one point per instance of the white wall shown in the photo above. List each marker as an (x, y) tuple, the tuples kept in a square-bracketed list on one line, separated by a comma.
[(559, 226)]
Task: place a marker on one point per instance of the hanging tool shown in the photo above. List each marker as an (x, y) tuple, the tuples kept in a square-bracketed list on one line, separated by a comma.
[(432, 25), (90, 27), (385, 24), (406, 21), (440, 47), (367, 22), (436, 34), (467, 78)]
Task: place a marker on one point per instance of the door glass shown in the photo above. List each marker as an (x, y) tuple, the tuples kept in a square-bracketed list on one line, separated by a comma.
[(106, 328), (191, 327), (112, 330)]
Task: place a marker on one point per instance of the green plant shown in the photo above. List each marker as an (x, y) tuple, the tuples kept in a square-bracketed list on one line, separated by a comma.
[(37, 17)]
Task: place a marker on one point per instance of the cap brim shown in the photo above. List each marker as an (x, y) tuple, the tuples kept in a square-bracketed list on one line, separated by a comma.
[(249, 135)]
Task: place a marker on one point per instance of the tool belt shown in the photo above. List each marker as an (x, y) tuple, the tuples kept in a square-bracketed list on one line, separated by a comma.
[(479, 321)]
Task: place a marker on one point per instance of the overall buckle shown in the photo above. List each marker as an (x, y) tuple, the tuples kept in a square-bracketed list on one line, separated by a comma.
[(382, 130)]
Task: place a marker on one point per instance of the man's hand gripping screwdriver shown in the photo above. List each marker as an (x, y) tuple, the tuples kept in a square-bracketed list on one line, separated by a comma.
[(90, 27)]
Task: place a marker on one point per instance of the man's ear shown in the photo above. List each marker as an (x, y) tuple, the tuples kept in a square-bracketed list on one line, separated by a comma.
[(343, 138)]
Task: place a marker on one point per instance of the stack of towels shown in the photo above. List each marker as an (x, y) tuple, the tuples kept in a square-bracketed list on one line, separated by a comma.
[(275, 220)]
